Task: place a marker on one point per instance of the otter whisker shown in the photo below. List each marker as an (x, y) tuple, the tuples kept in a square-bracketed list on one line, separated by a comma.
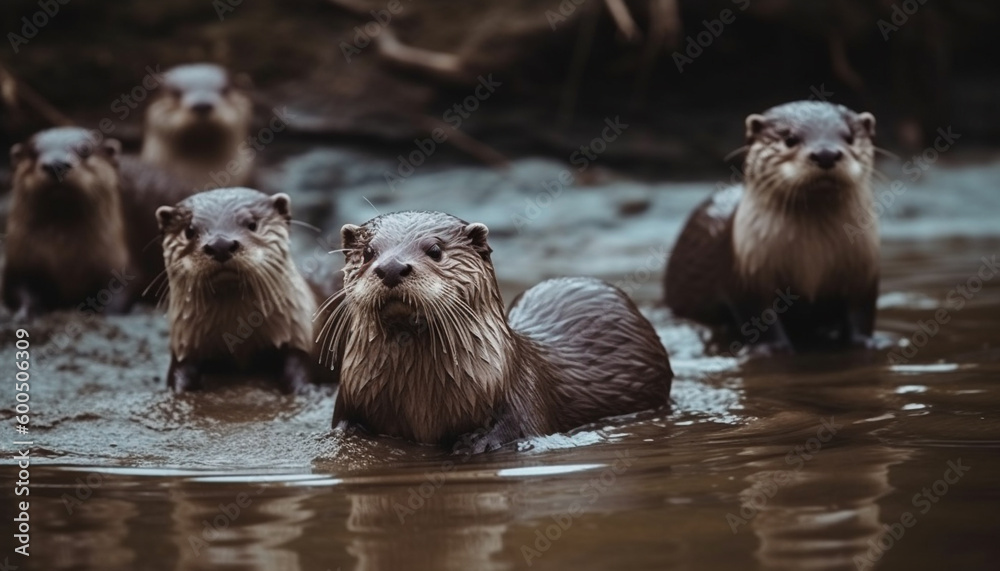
[(157, 240), (886, 153), (372, 205), (305, 225), (736, 152)]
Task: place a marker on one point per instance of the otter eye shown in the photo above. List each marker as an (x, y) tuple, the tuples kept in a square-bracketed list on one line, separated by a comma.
[(434, 252), (189, 232), (84, 151), (849, 138), (252, 226), (791, 141), (369, 253)]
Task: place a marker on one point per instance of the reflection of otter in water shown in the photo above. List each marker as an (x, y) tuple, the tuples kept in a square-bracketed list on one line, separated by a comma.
[(462, 528), (794, 243), (429, 356), (196, 124), (236, 297)]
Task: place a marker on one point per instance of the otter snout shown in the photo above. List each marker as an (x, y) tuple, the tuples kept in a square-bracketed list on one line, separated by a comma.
[(56, 168), (392, 272), (826, 157), (202, 108), (221, 248)]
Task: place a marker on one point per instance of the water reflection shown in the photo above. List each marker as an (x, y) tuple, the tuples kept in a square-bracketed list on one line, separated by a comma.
[(101, 528), (460, 529), (820, 514), (251, 530)]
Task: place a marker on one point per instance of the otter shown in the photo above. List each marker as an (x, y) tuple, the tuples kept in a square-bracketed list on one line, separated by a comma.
[(66, 238), (236, 299), (784, 247), (426, 354), (197, 126)]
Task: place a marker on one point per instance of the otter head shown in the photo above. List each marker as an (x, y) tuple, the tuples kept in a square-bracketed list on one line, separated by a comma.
[(809, 152), (68, 168), (225, 239), (228, 258), (198, 113), (420, 326)]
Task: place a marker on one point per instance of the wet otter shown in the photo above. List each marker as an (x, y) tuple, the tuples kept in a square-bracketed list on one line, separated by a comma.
[(426, 354), (65, 232), (778, 247), (236, 298), (197, 125)]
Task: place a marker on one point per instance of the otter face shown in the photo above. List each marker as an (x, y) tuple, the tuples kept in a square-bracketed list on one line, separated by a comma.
[(809, 149), (197, 106), (405, 268), (225, 239), (66, 163)]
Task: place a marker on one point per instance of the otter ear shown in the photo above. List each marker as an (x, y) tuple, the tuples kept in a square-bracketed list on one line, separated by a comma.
[(349, 236), (112, 148), (283, 204), (755, 124), (164, 216), (477, 233), (17, 152), (868, 122)]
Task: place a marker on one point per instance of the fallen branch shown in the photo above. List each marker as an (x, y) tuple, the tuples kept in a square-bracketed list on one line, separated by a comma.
[(15, 91), (623, 19), (439, 64), (476, 149)]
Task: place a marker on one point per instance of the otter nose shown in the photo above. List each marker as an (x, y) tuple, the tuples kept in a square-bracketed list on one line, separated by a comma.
[(202, 108), (826, 158), (392, 272), (56, 168), (221, 248)]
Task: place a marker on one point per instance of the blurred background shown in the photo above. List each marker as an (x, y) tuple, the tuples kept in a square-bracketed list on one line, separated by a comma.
[(564, 64), (518, 87)]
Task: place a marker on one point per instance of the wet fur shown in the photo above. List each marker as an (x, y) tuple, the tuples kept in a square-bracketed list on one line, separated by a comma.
[(786, 228), (575, 350), (202, 312)]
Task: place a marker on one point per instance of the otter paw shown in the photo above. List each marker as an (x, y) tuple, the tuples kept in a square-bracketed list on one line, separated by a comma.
[(295, 374), (183, 377)]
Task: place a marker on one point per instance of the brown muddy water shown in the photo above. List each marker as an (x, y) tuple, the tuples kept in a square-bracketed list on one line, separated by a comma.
[(881, 459)]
